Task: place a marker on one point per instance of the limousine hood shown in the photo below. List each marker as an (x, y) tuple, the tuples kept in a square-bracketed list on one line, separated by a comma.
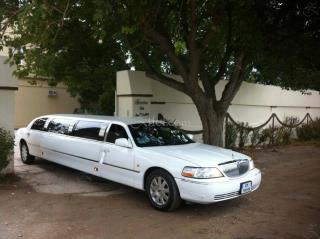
[(201, 155)]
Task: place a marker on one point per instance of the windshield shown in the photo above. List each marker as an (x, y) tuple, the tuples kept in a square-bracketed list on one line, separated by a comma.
[(157, 134)]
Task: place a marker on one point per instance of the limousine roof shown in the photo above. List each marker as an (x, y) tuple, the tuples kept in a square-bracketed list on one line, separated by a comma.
[(124, 120)]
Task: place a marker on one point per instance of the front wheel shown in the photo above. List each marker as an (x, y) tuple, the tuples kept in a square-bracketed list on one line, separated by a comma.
[(162, 191), (26, 158)]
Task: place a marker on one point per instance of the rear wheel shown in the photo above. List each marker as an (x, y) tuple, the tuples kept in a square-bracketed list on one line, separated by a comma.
[(163, 191), (26, 158)]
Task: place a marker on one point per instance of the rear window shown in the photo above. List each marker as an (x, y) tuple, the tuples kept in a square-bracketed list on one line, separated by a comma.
[(59, 126), (39, 124), (90, 130)]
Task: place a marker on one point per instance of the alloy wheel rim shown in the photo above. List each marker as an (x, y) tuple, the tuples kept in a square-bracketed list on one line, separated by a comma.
[(159, 191), (24, 152)]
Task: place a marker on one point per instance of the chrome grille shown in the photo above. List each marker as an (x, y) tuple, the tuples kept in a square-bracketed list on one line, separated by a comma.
[(235, 168), (226, 196)]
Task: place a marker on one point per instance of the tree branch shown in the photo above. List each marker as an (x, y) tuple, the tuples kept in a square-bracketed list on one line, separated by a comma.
[(168, 48), (154, 74), (235, 81), (207, 38), (6, 21), (194, 50), (184, 24), (193, 26), (64, 14), (208, 85), (228, 51)]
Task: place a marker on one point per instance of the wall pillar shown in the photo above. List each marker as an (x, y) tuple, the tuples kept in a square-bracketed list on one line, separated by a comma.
[(8, 86)]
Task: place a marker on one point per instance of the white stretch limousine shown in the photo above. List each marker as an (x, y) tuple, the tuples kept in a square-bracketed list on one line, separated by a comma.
[(151, 156)]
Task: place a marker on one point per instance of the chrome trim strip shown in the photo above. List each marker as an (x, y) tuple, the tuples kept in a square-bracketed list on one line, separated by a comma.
[(91, 160), (70, 155), (121, 167)]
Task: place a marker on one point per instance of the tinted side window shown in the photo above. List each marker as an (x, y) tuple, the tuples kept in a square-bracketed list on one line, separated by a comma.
[(90, 130), (59, 126), (116, 132), (39, 124)]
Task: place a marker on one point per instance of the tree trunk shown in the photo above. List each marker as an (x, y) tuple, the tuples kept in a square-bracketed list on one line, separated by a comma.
[(212, 123)]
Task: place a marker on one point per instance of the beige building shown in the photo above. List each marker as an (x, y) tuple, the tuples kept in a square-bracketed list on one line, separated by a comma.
[(28, 100), (21, 101), (33, 100)]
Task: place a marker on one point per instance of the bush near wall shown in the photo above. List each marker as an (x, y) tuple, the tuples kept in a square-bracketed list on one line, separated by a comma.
[(309, 131), (231, 135), (6, 147), (240, 135)]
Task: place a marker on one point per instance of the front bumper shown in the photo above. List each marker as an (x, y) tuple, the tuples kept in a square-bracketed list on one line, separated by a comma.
[(206, 191)]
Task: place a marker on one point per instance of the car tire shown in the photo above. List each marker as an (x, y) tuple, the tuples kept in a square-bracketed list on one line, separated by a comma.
[(26, 158), (162, 191)]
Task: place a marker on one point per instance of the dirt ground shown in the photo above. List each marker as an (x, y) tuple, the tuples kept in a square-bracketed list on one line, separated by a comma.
[(46, 200)]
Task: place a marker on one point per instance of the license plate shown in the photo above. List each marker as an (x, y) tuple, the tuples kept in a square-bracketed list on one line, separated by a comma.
[(245, 187)]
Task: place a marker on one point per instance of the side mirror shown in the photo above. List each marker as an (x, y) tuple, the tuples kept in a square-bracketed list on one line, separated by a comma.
[(191, 136), (123, 142)]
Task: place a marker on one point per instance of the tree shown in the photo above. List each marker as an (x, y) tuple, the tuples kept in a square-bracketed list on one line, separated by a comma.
[(273, 42), (61, 42), (207, 41)]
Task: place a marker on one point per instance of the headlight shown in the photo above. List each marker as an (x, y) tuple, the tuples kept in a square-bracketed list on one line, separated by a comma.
[(251, 165), (193, 172)]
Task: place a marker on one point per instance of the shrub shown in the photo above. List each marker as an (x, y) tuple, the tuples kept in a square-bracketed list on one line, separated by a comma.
[(287, 132), (231, 135), (279, 134), (276, 136), (243, 134), (6, 146), (309, 131), (265, 136), (254, 137)]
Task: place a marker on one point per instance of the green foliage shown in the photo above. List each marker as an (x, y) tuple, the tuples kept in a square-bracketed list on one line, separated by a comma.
[(6, 147), (243, 133), (67, 41), (279, 135), (255, 137), (231, 135), (84, 43), (68, 35), (309, 131), (180, 47), (287, 133)]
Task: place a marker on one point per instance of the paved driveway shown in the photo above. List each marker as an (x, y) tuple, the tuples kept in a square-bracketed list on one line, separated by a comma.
[(46, 177), (46, 200)]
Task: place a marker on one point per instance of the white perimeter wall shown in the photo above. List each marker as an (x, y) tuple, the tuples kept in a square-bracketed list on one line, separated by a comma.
[(138, 95)]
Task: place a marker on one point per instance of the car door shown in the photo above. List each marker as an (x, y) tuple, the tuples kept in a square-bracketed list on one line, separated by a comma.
[(117, 162), (85, 145), (35, 135), (55, 142), (75, 145)]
